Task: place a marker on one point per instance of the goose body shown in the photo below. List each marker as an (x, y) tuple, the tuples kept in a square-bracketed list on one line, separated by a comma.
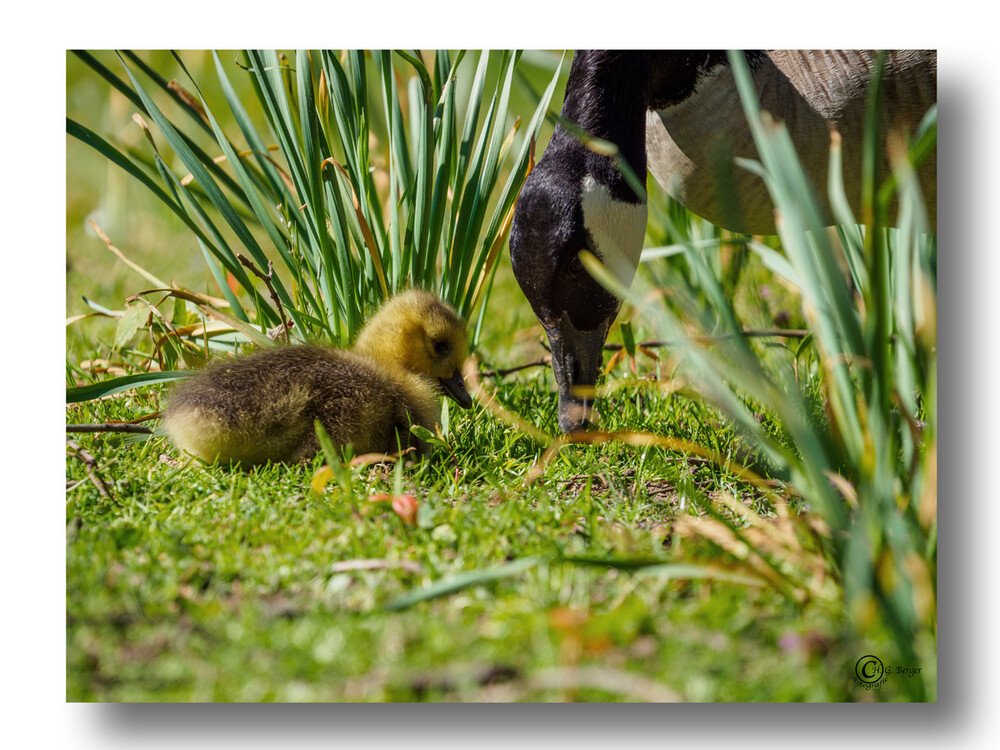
[(811, 92), (262, 407), (678, 114)]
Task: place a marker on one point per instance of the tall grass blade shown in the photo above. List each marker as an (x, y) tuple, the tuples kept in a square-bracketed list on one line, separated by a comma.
[(109, 387)]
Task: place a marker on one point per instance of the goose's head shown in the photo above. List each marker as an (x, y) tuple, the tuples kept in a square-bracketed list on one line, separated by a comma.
[(576, 198), (418, 332), (574, 201)]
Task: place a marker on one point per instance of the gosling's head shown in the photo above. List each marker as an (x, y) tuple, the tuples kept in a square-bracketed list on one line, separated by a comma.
[(417, 331)]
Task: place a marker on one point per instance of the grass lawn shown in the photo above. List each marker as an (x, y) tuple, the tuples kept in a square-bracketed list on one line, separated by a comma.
[(188, 582)]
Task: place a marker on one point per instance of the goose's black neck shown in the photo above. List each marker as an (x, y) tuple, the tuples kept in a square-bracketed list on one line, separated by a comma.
[(609, 91), (606, 97)]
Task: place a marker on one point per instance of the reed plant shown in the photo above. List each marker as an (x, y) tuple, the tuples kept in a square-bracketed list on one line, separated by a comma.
[(376, 171)]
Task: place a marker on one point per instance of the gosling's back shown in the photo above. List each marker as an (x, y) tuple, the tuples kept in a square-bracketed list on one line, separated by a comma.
[(263, 406)]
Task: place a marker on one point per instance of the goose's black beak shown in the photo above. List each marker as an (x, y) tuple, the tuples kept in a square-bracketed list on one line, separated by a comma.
[(576, 362), (454, 387)]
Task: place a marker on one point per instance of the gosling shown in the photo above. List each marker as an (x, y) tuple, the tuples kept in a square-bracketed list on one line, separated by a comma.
[(262, 407)]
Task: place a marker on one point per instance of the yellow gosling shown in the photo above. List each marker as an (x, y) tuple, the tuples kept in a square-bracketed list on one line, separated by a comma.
[(262, 407)]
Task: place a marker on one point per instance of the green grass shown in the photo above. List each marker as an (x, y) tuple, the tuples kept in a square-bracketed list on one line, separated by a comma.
[(195, 583), (198, 584)]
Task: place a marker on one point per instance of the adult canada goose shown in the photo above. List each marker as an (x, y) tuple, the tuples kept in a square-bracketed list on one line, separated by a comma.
[(262, 407), (679, 114)]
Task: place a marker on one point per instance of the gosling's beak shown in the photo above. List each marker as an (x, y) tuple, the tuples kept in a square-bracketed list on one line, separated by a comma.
[(455, 388), (576, 360)]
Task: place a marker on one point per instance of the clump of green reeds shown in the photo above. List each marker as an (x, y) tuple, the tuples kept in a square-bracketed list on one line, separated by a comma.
[(376, 171)]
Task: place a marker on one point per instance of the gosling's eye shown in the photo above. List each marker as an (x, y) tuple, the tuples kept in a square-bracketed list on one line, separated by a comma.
[(441, 348), (575, 267)]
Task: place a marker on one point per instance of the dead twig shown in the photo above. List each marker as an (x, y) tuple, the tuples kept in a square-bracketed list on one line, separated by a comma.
[(641, 439), (89, 466), (609, 679), (266, 278), (136, 429), (492, 405), (787, 333), (347, 566), (541, 361)]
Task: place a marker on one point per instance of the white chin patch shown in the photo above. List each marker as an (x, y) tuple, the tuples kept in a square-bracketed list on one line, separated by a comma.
[(616, 228)]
